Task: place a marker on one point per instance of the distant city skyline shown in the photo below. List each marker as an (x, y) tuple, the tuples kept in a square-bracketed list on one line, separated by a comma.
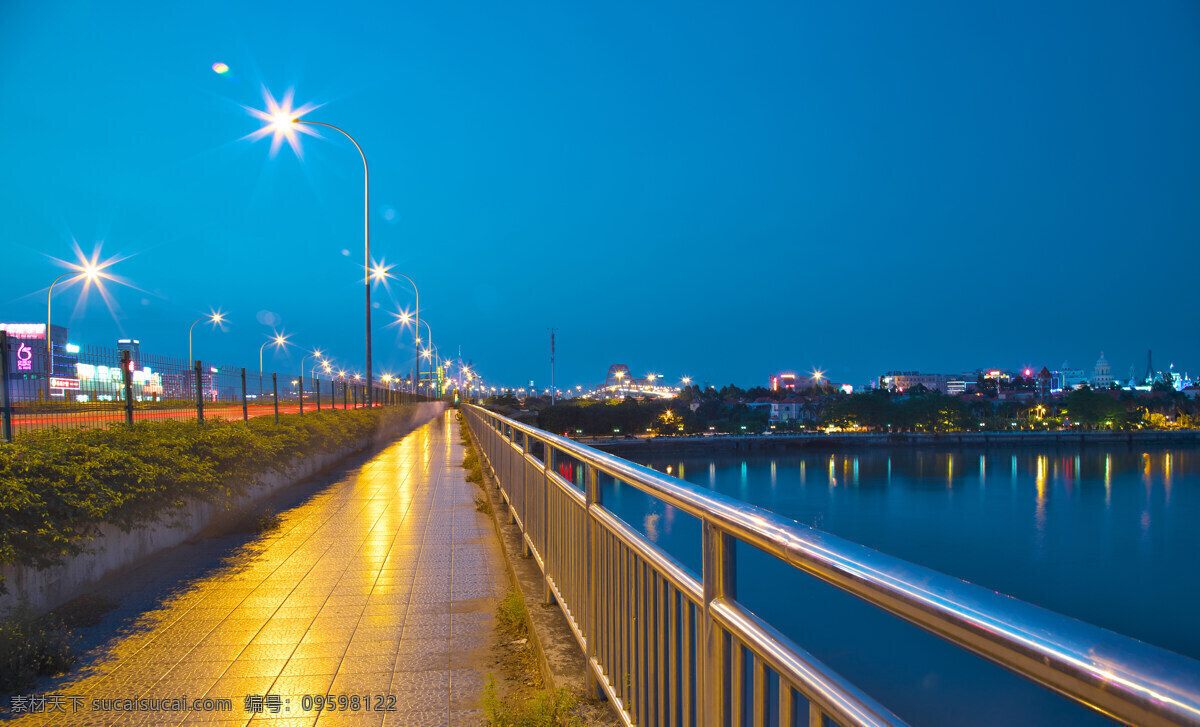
[(676, 187)]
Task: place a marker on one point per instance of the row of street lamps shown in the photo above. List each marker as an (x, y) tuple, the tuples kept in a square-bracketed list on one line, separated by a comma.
[(282, 122)]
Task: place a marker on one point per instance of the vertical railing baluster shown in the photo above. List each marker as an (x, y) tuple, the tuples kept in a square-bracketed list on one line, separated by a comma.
[(640, 663), (673, 651), (548, 553), (661, 661), (688, 650), (591, 496), (720, 581), (759, 690), (815, 717), (737, 682), (786, 704)]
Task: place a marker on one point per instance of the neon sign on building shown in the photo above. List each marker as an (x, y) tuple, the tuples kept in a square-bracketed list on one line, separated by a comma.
[(24, 357)]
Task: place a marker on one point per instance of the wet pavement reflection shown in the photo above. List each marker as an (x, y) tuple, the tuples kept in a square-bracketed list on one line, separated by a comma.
[(377, 594)]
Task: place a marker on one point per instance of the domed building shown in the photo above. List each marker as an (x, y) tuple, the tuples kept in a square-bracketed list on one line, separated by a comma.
[(1102, 374)]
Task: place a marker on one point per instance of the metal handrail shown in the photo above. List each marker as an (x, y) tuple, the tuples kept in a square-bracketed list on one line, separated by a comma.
[(1115, 675)]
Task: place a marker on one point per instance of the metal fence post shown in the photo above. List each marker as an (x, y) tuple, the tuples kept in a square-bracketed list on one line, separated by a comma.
[(343, 396), (547, 592), (199, 393), (127, 379), (354, 393), (245, 409), (591, 584), (720, 581), (300, 390), (275, 396), (317, 389), (5, 404), (525, 549)]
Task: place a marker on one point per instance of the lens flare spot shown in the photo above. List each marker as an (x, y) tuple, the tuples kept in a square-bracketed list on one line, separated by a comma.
[(220, 67)]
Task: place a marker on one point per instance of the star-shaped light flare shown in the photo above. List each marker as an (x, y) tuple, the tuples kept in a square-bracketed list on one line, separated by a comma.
[(403, 318), (281, 122), (92, 270)]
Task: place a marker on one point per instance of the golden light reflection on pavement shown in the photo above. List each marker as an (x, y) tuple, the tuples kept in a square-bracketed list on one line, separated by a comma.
[(381, 587)]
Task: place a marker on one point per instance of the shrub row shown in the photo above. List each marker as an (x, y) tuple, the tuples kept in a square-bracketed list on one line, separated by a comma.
[(57, 486)]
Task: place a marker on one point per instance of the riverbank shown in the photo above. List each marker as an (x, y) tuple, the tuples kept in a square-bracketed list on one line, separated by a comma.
[(783, 442)]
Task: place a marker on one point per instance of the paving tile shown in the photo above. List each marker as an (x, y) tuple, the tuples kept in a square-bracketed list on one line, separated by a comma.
[(370, 585)]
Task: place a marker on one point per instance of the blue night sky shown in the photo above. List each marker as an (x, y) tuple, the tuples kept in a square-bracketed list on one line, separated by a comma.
[(721, 190)]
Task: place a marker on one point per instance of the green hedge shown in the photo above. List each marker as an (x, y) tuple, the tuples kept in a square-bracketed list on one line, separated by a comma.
[(57, 486)]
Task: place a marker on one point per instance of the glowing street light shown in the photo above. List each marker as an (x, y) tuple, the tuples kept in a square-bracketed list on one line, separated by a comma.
[(278, 341), (283, 121), (89, 271), (315, 352), (216, 318), (417, 327)]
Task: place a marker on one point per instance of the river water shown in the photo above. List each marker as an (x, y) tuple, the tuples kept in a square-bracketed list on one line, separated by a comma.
[(1110, 536)]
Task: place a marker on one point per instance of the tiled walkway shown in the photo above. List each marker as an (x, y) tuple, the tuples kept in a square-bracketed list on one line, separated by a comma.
[(383, 586)]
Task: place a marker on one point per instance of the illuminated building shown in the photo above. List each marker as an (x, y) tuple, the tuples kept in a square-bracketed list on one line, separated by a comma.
[(133, 346), (1043, 383), (27, 360), (1102, 373), (905, 380), (787, 382), (961, 383), (1070, 378)]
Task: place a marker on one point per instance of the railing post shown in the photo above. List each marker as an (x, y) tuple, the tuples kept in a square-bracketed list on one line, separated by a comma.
[(354, 394), (317, 389), (720, 581), (591, 497), (245, 409), (127, 380), (343, 396), (5, 403), (199, 392), (547, 593), (275, 395), (526, 550), (300, 390)]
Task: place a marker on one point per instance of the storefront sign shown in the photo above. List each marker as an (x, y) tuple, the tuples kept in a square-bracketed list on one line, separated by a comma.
[(58, 382), (24, 357)]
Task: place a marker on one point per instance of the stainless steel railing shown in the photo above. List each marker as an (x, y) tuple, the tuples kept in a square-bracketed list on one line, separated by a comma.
[(667, 647)]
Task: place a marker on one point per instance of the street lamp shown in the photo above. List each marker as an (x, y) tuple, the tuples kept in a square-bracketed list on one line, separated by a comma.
[(278, 341), (216, 319), (87, 271), (315, 352), (431, 346), (280, 121), (417, 330)]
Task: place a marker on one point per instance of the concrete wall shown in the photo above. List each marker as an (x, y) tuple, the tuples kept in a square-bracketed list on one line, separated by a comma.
[(115, 550)]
